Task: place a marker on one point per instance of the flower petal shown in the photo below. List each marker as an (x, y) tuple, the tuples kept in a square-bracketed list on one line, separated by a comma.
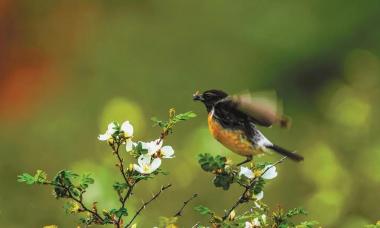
[(138, 168), (143, 160), (259, 196), (270, 173), (154, 146), (155, 164), (256, 222), (127, 128), (248, 225), (246, 172), (104, 137), (112, 128), (167, 152), (129, 145)]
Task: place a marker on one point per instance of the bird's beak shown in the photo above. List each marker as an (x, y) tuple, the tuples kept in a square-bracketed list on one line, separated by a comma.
[(197, 96)]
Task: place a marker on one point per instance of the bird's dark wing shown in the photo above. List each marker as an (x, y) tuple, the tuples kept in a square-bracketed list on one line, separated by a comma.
[(261, 111), (226, 113)]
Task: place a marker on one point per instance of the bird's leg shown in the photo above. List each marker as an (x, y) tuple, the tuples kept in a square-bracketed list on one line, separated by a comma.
[(248, 159)]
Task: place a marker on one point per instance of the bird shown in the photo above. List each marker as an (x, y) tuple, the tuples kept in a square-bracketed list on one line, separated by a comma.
[(233, 121)]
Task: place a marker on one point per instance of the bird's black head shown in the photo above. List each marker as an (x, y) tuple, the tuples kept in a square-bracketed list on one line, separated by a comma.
[(210, 97)]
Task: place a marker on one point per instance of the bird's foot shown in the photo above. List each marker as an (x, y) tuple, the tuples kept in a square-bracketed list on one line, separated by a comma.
[(248, 159)]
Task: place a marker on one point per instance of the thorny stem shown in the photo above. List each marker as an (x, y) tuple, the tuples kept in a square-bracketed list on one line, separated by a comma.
[(179, 212), (163, 188), (247, 188)]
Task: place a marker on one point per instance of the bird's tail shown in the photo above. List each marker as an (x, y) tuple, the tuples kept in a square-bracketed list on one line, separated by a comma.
[(282, 151)]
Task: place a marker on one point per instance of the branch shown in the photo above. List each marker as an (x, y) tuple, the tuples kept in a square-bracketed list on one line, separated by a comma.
[(121, 162), (79, 201), (179, 213), (242, 197), (163, 188), (123, 201)]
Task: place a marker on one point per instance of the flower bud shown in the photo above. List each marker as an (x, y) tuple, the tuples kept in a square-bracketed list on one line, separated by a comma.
[(111, 141)]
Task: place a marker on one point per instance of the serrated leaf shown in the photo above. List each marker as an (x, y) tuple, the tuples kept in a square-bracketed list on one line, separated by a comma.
[(85, 181), (203, 210), (40, 177), (26, 178)]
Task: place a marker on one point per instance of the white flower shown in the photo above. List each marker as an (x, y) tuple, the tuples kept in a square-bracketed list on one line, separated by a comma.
[(270, 172), (146, 165), (248, 225), (155, 147), (259, 196), (152, 147), (167, 152), (129, 145), (256, 222), (127, 128), (111, 129), (246, 172)]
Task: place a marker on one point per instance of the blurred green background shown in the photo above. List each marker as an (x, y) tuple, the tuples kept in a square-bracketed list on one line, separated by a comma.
[(67, 68)]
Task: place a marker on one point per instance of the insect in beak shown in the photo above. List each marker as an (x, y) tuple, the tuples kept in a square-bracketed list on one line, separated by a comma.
[(197, 96)]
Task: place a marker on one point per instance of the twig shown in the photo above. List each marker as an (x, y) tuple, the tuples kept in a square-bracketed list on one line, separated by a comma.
[(121, 162), (242, 197), (79, 201), (195, 225), (163, 188), (123, 201), (179, 212)]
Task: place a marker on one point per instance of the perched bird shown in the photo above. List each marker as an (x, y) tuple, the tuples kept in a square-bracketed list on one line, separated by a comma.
[(232, 121)]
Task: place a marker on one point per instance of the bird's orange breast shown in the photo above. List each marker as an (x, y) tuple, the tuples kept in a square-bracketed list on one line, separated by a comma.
[(235, 140)]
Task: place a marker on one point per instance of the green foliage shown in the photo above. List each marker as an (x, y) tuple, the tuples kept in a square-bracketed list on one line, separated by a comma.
[(120, 186), (252, 181), (258, 186), (203, 210), (138, 150), (85, 181), (210, 163), (296, 211), (72, 186), (307, 224), (168, 125), (38, 178), (119, 212), (223, 180), (283, 219)]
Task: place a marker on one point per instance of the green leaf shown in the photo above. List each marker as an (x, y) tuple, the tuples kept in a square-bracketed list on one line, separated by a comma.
[(119, 212), (203, 210), (38, 178), (120, 186), (258, 186), (184, 116), (86, 180), (209, 163), (160, 123), (223, 181), (26, 178), (311, 224), (296, 211)]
